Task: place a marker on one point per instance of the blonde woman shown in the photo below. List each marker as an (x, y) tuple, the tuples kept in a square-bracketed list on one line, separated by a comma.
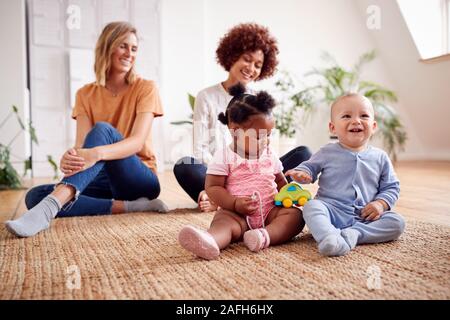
[(112, 168)]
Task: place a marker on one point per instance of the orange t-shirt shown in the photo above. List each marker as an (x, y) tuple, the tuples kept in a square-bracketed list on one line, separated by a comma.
[(99, 104)]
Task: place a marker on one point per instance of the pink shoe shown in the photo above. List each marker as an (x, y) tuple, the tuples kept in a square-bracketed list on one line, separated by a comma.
[(256, 239), (199, 242)]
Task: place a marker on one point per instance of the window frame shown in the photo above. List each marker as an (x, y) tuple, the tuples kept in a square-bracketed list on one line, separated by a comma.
[(446, 25), (445, 8)]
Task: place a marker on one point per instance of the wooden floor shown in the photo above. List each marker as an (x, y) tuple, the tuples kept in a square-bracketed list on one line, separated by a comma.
[(425, 193)]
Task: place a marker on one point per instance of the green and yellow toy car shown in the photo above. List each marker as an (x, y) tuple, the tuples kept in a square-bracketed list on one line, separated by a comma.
[(291, 194)]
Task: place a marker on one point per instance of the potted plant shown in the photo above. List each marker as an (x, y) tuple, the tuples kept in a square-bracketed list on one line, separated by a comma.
[(334, 80), (290, 113), (191, 100), (9, 177)]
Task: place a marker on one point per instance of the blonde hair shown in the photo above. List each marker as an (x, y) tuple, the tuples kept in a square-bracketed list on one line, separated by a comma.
[(113, 33), (349, 95)]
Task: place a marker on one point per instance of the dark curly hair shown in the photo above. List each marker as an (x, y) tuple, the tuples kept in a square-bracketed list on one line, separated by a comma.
[(248, 37), (244, 105)]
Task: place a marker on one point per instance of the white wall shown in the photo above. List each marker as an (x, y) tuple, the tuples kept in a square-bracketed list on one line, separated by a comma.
[(423, 89), (13, 76), (182, 69)]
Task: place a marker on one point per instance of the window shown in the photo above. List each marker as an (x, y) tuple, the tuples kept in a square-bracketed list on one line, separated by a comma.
[(429, 25), (447, 22)]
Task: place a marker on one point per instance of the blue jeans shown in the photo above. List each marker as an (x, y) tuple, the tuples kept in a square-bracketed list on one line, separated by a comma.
[(191, 173), (96, 187)]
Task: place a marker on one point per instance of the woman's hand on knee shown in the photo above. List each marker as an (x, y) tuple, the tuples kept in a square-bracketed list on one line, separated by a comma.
[(90, 156), (71, 162)]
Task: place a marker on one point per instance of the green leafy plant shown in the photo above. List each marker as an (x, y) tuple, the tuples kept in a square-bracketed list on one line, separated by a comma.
[(287, 113), (334, 80), (191, 100), (9, 177)]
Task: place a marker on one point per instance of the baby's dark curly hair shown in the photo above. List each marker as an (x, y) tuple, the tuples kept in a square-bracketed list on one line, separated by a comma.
[(244, 105), (248, 37)]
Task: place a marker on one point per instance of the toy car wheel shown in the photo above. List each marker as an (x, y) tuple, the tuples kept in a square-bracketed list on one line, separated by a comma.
[(287, 203), (302, 201)]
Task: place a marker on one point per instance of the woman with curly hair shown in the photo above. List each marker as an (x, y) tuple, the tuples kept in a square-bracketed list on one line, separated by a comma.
[(248, 52)]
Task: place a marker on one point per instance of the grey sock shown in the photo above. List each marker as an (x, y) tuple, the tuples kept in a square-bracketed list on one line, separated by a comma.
[(36, 219), (143, 204), (333, 245), (350, 236)]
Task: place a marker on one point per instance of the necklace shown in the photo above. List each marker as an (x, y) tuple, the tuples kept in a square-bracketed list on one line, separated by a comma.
[(114, 93)]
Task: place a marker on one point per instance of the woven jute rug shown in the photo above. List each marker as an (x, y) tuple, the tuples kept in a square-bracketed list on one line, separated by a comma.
[(136, 256)]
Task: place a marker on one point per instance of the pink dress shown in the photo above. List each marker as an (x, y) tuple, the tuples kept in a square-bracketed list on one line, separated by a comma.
[(245, 176)]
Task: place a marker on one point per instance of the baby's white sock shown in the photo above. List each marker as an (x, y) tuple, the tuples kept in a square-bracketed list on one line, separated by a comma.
[(351, 236), (333, 245)]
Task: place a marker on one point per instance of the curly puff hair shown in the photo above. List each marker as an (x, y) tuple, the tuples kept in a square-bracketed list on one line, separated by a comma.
[(243, 105), (248, 37)]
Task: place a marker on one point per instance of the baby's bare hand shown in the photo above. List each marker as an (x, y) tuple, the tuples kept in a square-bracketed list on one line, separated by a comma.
[(205, 204), (246, 205), (299, 176), (373, 210)]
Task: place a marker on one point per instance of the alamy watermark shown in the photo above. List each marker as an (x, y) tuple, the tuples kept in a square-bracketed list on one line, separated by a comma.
[(252, 142), (373, 274), (373, 21), (73, 280), (73, 21)]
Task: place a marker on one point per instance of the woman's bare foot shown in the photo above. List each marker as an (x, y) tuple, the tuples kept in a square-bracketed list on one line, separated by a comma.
[(204, 203)]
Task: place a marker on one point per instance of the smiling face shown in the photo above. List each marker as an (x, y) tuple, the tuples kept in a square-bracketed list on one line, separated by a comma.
[(247, 68), (252, 137), (124, 56), (352, 121)]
